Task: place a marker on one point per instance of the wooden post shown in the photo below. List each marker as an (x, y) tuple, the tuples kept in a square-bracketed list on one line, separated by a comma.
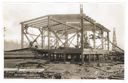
[(22, 36), (66, 37), (77, 40), (102, 37), (89, 58), (94, 57), (49, 54), (108, 39), (48, 33), (82, 33), (42, 34), (56, 41), (94, 38)]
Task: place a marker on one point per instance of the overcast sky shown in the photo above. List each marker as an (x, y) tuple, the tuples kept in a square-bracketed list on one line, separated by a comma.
[(108, 14)]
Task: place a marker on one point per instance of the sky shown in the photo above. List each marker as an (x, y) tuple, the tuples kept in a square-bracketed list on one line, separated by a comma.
[(111, 15)]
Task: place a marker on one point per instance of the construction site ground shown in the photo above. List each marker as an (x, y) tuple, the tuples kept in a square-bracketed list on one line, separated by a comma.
[(87, 71), (69, 70)]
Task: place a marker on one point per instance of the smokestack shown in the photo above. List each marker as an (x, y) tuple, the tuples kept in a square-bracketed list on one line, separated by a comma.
[(114, 40)]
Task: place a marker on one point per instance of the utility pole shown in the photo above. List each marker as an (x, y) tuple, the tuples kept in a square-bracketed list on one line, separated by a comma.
[(82, 33)]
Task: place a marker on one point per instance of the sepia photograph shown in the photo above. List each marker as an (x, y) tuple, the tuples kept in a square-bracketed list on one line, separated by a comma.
[(63, 40)]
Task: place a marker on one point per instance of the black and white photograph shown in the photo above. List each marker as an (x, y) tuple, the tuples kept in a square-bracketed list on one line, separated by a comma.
[(64, 40)]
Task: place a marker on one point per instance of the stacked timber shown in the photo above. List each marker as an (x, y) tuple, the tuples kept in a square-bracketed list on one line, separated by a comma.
[(19, 54), (14, 57)]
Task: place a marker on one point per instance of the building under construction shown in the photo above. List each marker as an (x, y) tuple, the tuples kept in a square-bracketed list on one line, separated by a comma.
[(65, 38)]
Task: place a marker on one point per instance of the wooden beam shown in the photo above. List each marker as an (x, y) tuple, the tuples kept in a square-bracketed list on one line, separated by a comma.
[(108, 39), (97, 24), (102, 27), (37, 22), (94, 38), (42, 37), (71, 42), (44, 26), (116, 46), (56, 35), (22, 36), (82, 32), (78, 40), (59, 21), (27, 38), (33, 39), (31, 34), (56, 43), (92, 22), (48, 32), (66, 37), (71, 37), (101, 43), (59, 38), (34, 19), (102, 38)]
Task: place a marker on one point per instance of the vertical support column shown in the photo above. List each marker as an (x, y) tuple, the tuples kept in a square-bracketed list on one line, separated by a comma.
[(94, 38), (89, 58), (56, 42), (65, 43), (42, 34), (85, 40), (94, 57), (66, 38), (82, 33), (102, 38), (100, 56), (64, 57), (22, 36), (108, 39), (49, 54), (48, 33), (77, 40)]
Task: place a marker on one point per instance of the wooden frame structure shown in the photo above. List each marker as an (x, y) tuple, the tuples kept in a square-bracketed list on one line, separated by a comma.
[(58, 28)]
